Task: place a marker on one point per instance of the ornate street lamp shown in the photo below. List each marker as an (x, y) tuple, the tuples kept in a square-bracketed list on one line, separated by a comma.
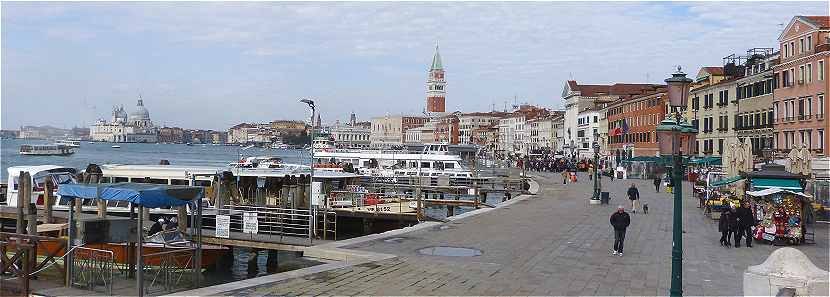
[(311, 106), (677, 137)]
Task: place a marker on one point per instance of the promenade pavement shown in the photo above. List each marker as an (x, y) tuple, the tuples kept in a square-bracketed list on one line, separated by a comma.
[(553, 243)]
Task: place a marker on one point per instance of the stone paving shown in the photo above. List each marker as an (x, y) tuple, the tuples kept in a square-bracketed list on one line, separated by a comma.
[(553, 243)]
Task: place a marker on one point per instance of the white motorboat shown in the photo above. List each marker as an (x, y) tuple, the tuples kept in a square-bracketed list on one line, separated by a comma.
[(116, 146)]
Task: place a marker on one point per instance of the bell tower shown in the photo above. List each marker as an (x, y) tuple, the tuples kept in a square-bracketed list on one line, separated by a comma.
[(436, 93)]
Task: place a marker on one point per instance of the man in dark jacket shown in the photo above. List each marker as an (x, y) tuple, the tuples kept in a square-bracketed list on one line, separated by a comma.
[(634, 196), (620, 221), (745, 222), (723, 227), (657, 182)]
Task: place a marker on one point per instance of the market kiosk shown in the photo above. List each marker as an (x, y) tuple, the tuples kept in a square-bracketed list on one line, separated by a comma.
[(782, 211), (780, 215)]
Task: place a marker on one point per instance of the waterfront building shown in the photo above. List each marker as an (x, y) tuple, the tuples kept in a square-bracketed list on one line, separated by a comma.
[(135, 127), (419, 135), (578, 98), (712, 105), (753, 121), (9, 134), (514, 133), (436, 86), (468, 123), (559, 131), (171, 135), (218, 137), (632, 122), (287, 128), (541, 135), (587, 130), (800, 98), (238, 134), (389, 131), (348, 136)]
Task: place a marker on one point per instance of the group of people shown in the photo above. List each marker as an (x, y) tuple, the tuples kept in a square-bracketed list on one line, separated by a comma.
[(736, 223), (163, 224)]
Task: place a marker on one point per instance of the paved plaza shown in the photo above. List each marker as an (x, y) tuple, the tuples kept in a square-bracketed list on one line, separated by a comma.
[(553, 243)]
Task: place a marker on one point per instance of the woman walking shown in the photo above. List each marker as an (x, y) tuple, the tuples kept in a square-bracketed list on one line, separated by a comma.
[(723, 227)]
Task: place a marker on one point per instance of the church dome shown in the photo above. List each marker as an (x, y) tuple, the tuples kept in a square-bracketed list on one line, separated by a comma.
[(141, 113)]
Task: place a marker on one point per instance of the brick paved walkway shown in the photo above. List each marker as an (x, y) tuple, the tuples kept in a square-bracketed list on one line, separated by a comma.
[(550, 244)]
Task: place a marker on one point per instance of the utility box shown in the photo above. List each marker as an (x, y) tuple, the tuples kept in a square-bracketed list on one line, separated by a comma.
[(111, 229)]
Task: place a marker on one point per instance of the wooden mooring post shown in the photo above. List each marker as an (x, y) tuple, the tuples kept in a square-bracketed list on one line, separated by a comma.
[(25, 182), (48, 201)]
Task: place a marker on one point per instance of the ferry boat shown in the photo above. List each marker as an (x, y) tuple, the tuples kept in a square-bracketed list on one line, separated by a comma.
[(434, 161), (46, 150), (70, 143)]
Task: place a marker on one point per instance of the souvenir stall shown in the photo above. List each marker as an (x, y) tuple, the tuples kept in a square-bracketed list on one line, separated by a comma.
[(778, 201), (780, 215)]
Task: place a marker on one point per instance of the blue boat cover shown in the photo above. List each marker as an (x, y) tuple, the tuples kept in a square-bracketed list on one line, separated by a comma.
[(147, 195)]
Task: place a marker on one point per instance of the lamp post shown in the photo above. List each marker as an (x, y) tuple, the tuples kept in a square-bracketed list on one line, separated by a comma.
[(311, 175), (672, 134)]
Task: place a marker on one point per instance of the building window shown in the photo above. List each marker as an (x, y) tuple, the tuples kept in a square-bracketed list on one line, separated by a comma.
[(809, 73), (821, 139), (801, 44), (786, 51), (820, 104), (820, 70)]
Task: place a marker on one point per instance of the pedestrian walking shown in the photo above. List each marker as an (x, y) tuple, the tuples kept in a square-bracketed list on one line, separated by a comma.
[(565, 176), (620, 221), (723, 227), (634, 196), (732, 222), (657, 182), (745, 223)]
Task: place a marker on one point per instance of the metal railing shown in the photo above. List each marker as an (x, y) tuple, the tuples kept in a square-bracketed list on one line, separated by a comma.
[(92, 268), (169, 270), (276, 221)]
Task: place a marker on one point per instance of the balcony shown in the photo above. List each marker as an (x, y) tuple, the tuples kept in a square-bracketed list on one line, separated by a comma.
[(820, 116), (722, 104)]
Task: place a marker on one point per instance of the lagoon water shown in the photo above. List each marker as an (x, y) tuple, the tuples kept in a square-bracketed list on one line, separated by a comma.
[(138, 153)]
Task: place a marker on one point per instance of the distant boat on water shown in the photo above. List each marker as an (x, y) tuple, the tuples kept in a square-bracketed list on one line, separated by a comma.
[(116, 146), (45, 150), (69, 143)]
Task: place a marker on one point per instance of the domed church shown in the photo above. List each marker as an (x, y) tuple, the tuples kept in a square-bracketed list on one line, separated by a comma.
[(137, 127)]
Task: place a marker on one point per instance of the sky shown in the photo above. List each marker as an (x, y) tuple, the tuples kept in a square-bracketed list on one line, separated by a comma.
[(210, 65)]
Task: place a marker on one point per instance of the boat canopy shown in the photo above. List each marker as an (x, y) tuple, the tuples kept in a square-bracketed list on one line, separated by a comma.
[(147, 195)]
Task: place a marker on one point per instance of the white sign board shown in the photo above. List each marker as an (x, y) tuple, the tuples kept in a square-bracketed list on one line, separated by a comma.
[(223, 226), (316, 193), (250, 224)]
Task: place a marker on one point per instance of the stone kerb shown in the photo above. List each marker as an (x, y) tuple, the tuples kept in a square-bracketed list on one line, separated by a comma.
[(786, 268)]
